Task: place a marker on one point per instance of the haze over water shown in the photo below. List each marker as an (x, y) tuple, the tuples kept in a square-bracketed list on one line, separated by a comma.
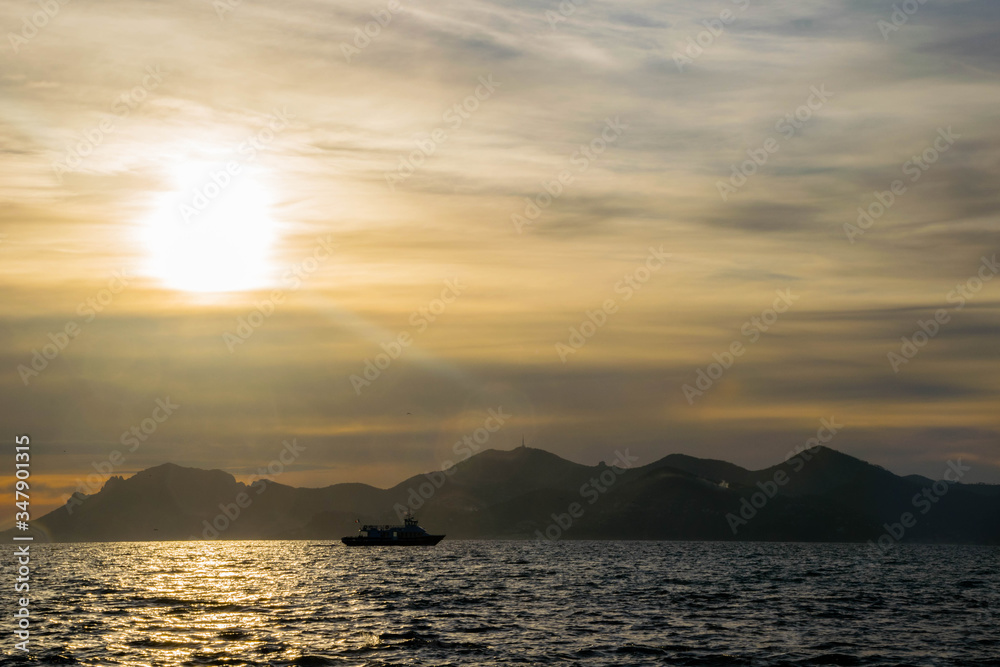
[(484, 603)]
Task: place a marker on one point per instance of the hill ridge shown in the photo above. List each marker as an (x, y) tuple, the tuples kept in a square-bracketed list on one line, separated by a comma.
[(821, 494)]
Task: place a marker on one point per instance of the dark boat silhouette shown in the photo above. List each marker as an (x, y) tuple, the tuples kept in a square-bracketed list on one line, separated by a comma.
[(409, 534)]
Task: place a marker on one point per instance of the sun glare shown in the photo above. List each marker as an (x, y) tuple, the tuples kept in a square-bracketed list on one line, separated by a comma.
[(213, 233)]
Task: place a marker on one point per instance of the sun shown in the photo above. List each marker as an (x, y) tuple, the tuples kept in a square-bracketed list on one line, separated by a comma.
[(214, 232)]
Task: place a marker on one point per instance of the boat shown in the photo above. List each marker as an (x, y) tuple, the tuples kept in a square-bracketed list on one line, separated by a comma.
[(409, 534)]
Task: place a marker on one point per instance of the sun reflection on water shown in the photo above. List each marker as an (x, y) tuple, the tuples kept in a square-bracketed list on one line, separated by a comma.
[(320, 603)]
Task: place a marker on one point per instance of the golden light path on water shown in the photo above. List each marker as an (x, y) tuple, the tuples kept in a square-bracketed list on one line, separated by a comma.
[(480, 602)]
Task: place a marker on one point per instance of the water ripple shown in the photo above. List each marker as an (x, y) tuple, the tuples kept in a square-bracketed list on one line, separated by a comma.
[(487, 603)]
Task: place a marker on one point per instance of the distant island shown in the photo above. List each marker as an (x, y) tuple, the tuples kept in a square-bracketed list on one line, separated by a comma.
[(527, 493)]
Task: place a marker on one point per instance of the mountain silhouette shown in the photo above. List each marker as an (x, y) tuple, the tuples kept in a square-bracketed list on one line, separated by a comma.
[(527, 493)]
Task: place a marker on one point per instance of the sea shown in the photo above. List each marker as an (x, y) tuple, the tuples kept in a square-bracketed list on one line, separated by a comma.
[(507, 603)]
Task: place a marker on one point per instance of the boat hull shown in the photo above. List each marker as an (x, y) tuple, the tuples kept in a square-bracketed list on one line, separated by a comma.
[(422, 540)]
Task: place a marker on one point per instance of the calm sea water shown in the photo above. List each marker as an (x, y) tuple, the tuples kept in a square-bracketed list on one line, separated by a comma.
[(485, 603)]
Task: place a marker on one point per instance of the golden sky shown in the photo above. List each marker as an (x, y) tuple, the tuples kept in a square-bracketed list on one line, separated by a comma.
[(473, 182)]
